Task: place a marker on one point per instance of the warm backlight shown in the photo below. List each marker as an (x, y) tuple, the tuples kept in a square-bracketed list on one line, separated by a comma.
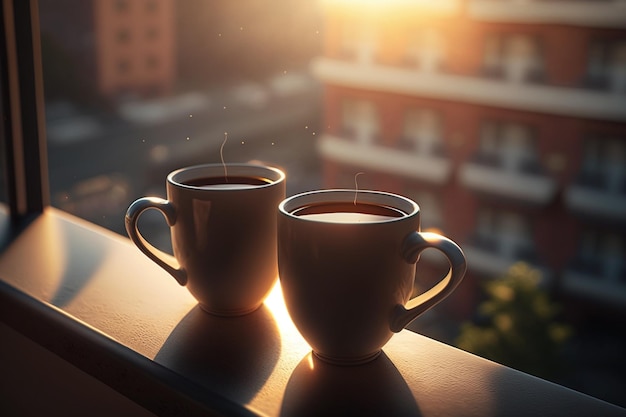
[(440, 6)]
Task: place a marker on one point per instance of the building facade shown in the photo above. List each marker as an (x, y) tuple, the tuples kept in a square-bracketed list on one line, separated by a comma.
[(504, 120), (115, 48), (135, 47)]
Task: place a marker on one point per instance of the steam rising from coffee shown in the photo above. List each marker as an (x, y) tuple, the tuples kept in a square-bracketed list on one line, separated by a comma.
[(356, 185), (222, 156)]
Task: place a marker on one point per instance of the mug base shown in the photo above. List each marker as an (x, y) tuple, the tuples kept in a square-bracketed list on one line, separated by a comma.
[(229, 313), (347, 361)]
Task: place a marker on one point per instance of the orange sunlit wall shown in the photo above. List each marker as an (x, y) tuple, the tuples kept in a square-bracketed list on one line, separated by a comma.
[(135, 44)]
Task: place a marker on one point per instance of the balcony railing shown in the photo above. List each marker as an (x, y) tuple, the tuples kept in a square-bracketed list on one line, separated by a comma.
[(486, 257), (589, 195), (580, 13), (571, 102), (589, 280), (429, 167), (528, 184)]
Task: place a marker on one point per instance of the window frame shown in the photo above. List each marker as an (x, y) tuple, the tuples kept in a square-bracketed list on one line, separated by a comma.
[(23, 126)]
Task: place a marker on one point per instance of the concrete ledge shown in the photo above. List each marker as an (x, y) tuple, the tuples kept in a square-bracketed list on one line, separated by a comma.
[(91, 297)]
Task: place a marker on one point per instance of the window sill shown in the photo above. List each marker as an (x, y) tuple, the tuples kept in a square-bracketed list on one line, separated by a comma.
[(89, 296)]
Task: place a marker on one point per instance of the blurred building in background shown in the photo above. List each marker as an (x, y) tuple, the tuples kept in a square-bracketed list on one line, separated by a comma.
[(108, 48), (504, 120), (135, 46)]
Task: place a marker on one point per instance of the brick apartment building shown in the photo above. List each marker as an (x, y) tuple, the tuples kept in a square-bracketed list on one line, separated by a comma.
[(115, 47), (135, 46), (505, 121)]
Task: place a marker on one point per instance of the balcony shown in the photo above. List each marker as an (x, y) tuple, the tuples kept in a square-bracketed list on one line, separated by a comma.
[(488, 256), (429, 167), (527, 184), (571, 102), (592, 280), (596, 201), (610, 14), (588, 195)]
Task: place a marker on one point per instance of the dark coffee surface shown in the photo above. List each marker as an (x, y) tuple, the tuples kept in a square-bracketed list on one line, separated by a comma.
[(210, 181), (363, 208)]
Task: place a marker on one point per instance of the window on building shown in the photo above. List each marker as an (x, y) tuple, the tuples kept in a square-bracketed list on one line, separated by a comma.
[(604, 164), (123, 66), (606, 65), (152, 62), (360, 121), (423, 131), (509, 145), (427, 50), (515, 58), (507, 233), (152, 5), (617, 67), (152, 33), (123, 36), (121, 5), (602, 255)]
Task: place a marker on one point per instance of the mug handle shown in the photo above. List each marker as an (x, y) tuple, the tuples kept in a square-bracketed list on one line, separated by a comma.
[(161, 258), (412, 247)]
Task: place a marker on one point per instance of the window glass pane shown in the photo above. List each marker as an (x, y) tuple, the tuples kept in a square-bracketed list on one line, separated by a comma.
[(510, 136), (135, 89)]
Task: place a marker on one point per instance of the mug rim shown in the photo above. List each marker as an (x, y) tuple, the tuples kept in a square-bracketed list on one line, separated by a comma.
[(216, 170), (343, 195)]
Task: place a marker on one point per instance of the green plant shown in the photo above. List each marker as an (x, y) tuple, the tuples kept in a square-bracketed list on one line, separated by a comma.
[(519, 328)]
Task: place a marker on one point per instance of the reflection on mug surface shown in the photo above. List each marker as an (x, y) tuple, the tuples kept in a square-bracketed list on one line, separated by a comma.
[(376, 388)]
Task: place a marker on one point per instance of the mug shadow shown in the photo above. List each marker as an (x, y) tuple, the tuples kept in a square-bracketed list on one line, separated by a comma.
[(231, 355), (317, 388)]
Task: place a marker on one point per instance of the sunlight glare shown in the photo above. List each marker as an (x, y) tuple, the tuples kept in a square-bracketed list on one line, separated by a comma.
[(435, 6), (275, 303)]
